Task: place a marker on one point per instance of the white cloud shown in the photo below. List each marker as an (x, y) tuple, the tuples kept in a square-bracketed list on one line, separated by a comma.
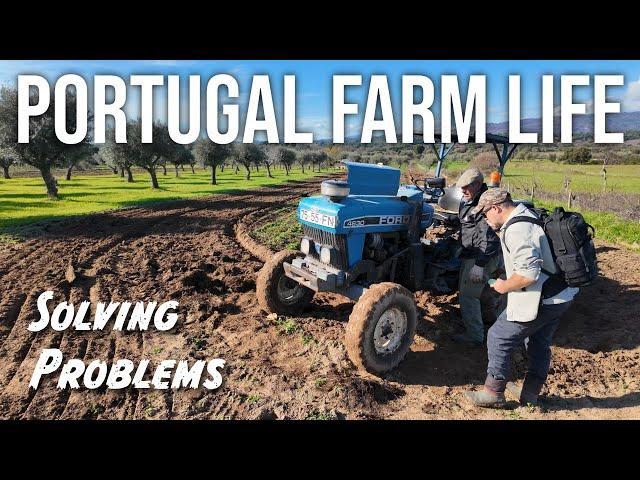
[(631, 99), (318, 125)]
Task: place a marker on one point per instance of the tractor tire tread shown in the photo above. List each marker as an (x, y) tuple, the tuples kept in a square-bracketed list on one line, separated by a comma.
[(267, 281), (357, 327)]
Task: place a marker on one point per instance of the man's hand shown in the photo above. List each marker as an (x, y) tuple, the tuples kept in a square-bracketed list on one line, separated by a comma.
[(514, 283), (476, 274), (500, 286)]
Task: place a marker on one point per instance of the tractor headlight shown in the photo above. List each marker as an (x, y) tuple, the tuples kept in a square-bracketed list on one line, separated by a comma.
[(306, 244), (326, 254)]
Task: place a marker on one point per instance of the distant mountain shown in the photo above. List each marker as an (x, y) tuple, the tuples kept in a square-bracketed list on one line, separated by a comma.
[(616, 122), (582, 124)]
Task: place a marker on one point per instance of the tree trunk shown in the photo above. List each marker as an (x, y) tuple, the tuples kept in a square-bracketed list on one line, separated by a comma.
[(237, 169), (5, 168), (129, 175), (176, 167), (115, 170), (154, 179), (248, 173), (182, 167), (286, 169), (222, 167), (164, 168), (69, 172), (122, 172), (268, 171), (50, 182), (302, 165), (192, 170), (257, 168), (213, 175)]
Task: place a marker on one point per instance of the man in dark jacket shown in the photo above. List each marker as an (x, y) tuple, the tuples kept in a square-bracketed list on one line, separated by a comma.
[(480, 257)]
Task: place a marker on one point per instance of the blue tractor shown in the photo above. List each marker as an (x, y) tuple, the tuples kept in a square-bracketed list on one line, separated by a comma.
[(364, 238)]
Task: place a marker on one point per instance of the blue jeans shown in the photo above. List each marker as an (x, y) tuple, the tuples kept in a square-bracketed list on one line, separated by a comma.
[(505, 336)]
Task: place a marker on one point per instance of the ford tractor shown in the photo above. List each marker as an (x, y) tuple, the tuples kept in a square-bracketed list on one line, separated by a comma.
[(374, 241)]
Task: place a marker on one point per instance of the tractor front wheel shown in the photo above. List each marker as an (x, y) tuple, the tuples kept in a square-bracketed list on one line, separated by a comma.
[(276, 292), (381, 327)]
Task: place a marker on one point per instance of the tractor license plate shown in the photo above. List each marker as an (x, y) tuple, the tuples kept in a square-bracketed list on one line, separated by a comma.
[(318, 218)]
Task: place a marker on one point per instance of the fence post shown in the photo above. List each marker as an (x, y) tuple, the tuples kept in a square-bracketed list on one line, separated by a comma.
[(569, 201)]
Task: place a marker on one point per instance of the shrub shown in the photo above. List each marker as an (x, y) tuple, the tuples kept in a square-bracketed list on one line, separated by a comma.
[(486, 162), (580, 155)]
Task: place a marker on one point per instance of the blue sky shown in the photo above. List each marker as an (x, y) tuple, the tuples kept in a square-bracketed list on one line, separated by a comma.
[(314, 77)]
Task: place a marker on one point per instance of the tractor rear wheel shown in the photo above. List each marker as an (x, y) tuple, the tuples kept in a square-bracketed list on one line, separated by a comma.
[(381, 327), (276, 292)]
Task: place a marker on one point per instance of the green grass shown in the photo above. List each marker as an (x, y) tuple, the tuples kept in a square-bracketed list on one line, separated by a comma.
[(24, 200), (317, 414), (608, 226), (550, 176), (283, 232), (287, 326)]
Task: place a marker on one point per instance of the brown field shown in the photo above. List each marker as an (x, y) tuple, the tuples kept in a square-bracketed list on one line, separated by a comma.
[(198, 252)]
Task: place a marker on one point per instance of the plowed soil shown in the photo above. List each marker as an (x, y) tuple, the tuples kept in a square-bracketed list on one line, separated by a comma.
[(198, 252)]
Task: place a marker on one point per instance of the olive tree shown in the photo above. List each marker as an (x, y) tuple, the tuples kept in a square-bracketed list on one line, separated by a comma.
[(118, 155), (211, 154), (286, 157), (75, 156), (190, 158), (177, 154), (248, 154), (7, 159), (305, 159), (269, 159), (318, 158), (148, 156), (44, 151)]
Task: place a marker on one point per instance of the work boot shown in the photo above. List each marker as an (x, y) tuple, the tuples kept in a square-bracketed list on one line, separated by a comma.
[(528, 392), (464, 339), (491, 395)]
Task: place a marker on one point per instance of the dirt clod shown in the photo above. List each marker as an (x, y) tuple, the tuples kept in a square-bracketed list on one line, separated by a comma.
[(70, 274), (201, 282)]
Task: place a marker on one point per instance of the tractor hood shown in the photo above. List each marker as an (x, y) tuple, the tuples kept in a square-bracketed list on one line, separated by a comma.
[(367, 179), (376, 203)]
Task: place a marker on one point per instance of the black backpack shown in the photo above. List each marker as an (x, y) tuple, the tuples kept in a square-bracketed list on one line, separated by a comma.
[(571, 245)]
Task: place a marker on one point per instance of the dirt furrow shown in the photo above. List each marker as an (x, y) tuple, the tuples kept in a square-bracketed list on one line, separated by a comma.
[(9, 311)]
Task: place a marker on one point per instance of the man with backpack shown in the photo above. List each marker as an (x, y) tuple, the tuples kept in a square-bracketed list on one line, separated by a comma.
[(538, 292)]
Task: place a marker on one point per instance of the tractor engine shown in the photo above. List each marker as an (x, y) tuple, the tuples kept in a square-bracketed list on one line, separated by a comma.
[(380, 246), (354, 230)]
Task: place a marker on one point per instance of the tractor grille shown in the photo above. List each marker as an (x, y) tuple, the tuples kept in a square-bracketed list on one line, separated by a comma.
[(330, 239)]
